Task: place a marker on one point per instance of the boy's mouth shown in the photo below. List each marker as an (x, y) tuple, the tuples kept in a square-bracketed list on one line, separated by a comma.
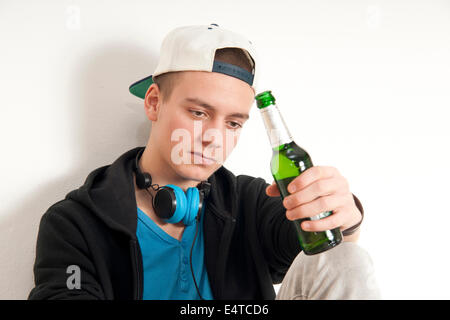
[(202, 159)]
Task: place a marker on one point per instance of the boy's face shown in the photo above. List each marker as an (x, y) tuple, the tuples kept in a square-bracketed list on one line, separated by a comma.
[(203, 115)]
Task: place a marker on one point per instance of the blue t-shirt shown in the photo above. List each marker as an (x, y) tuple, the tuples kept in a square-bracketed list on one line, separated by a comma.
[(167, 271)]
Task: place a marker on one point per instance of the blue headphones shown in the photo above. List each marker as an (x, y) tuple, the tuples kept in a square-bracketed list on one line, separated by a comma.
[(170, 202)]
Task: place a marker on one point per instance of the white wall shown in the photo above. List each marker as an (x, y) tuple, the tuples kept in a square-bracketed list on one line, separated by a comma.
[(364, 87)]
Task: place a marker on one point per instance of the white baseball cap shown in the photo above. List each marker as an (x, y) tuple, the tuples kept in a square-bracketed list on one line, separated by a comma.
[(192, 48)]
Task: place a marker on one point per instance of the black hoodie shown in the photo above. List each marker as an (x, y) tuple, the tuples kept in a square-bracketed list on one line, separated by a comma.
[(249, 243)]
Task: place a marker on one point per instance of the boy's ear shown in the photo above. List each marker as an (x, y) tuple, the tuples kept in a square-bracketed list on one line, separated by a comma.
[(152, 102)]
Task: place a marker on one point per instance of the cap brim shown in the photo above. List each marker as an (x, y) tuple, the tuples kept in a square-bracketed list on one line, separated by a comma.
[(139, 88)]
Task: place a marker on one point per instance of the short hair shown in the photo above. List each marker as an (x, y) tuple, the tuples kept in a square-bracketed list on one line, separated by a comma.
[(166, 81)]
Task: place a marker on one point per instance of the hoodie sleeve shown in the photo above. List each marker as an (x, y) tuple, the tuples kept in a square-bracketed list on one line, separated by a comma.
[(277, 234), (63, 268)]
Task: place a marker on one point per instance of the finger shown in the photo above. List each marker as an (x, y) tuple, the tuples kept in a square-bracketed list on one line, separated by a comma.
[(315, 190), (272, 190), (310, 175), (315, 207), (335, 220)]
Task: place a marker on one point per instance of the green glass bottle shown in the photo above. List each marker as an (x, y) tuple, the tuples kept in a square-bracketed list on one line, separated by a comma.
[(289, 161)]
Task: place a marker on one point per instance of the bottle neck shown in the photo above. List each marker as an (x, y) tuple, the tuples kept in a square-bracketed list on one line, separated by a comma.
[(275, 126)]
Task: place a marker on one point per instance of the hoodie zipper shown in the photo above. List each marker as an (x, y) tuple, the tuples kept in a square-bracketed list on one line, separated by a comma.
[(224, 246), (222, 260), (137, 272)]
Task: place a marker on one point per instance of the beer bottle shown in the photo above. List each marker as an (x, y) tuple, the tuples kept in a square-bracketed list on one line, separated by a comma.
[(289, 161)]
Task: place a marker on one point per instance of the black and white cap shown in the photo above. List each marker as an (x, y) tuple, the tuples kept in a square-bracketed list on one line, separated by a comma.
[(192, 48)]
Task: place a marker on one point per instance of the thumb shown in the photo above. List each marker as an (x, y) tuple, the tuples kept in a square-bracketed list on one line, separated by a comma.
[(272, 190)]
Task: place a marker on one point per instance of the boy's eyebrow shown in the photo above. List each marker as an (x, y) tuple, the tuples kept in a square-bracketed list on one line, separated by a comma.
[(209, 107)]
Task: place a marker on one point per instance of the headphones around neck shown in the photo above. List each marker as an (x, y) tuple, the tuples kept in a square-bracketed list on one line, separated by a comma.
[(170, 202)]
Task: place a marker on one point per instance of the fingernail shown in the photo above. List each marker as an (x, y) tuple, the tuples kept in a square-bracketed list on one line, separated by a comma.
[(292, 188)]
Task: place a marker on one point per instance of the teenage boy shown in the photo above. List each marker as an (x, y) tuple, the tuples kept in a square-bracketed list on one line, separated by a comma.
[(169, 221)]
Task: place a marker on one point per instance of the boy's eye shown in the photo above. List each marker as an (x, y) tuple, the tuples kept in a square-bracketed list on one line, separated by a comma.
[(197, 113), (235, 125)]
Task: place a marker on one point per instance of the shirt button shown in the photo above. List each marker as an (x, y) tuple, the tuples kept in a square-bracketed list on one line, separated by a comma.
[(185, 260)]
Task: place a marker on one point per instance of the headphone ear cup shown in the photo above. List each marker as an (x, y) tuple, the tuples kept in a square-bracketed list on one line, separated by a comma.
[(193, 199), (179, 204), (143, 180)]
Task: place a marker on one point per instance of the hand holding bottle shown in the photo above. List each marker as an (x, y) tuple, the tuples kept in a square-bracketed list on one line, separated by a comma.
[(320, 189)]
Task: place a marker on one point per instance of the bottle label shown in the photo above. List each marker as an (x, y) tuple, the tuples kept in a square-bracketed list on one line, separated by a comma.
[(275, 126), (321, 215)]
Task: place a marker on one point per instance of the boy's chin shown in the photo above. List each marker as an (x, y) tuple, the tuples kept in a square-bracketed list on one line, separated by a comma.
[(196, 171)]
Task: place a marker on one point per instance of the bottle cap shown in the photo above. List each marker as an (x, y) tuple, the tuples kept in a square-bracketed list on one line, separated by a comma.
[(264, 99)]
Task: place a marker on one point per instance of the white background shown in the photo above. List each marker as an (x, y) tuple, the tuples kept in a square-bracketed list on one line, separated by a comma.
[(364, 86)]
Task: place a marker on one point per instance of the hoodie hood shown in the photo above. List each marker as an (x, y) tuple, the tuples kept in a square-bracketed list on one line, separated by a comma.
[(108, 192)]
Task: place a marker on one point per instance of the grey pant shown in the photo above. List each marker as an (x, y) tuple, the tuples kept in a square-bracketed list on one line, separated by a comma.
[(344, 272)]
